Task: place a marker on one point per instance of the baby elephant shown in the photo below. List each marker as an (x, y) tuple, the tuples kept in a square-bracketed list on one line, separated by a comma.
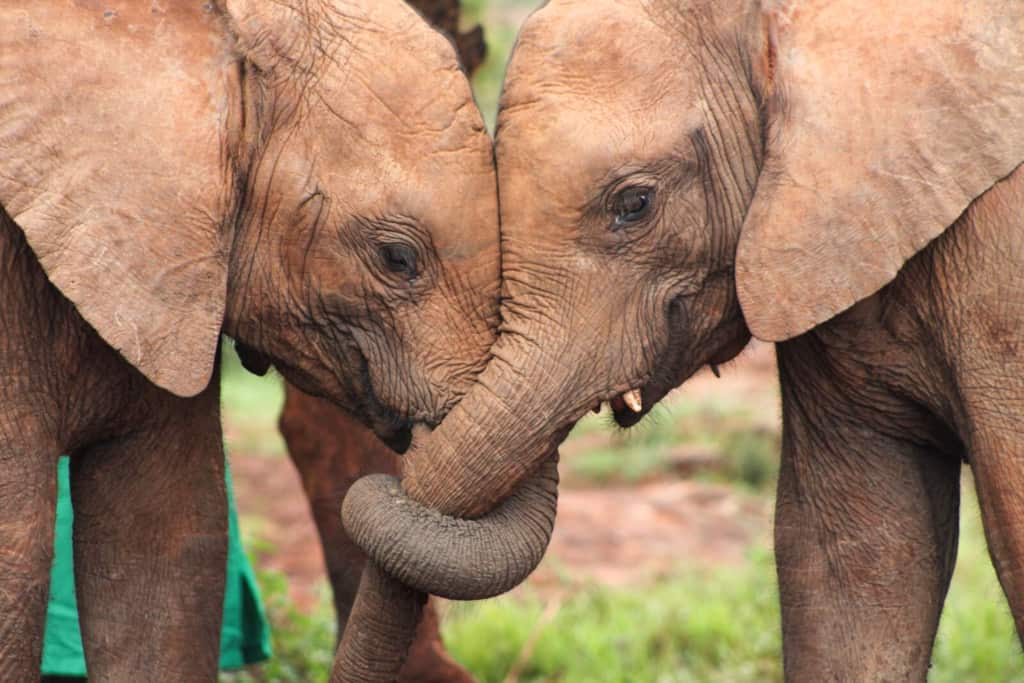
[(840, 176), (312, 179)]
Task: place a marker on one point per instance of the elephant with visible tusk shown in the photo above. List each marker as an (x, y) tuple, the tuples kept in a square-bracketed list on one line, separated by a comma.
[(312, 179), (837, 176)]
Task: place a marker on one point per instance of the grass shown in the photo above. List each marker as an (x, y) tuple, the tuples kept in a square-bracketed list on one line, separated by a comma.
[(723, 442), (303, 642), (721, 626), (692, 626), (976, 639)]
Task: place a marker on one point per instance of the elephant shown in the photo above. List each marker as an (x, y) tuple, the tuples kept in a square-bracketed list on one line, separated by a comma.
[(331, 449), (312, 180), (841, 178)]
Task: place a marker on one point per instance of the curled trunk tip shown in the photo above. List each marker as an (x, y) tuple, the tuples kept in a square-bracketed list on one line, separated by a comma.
[(458, 559)]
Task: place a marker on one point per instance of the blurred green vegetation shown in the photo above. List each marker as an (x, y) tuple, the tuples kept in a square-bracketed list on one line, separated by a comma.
[(500, 19), (250, 406), (720, 625), (694, 627), (303, 642), (710, 440), (711, 626)]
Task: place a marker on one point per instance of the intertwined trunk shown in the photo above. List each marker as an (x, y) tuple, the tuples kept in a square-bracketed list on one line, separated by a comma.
[(499, 440)]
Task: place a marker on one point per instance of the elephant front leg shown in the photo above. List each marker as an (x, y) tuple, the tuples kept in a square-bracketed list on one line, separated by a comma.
[(997, 462), (28, 498), (150, 540), (865, 542)]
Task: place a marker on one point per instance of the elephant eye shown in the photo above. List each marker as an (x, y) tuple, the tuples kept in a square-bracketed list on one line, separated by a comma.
[(399, 258), (631, 205)]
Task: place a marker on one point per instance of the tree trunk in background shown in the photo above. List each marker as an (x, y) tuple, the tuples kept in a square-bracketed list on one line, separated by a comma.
[(331, 450)]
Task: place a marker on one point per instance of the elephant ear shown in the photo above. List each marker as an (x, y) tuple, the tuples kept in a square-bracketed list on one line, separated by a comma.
[(886, 120), (113, 161)]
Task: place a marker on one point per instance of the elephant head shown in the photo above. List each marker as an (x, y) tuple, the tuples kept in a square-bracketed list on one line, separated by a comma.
[(676, 174), (312, 179)]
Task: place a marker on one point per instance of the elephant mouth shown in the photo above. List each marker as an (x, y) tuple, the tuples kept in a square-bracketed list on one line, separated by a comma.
[(397, 440), (625, 406), (672, 367), (676, 363), (390, 425)]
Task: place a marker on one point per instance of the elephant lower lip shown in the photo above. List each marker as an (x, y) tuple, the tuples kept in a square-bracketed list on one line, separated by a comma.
[(624, 416), (398, 440), (627, 418)]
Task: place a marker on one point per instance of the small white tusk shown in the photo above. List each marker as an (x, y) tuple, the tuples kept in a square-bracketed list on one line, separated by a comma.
[(633, 400)]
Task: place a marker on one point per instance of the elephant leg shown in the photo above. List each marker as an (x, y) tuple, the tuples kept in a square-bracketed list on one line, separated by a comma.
[(28, 499), (996, 457), (150, 540), (865, 537), (331, 450)]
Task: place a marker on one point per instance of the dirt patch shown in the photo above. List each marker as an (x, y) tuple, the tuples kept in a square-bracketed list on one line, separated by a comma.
[(624, 536)]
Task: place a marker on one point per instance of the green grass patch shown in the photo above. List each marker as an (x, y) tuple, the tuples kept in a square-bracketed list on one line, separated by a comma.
[(250, 406), (303, 642), (711, 626), (698, 626), (976, 640), (733, 445)]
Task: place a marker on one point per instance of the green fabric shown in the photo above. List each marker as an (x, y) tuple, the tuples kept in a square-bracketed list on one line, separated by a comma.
[(245, 635)]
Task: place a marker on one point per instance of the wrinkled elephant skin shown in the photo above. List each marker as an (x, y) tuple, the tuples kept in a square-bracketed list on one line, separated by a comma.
[(290, 175), (837, 176)]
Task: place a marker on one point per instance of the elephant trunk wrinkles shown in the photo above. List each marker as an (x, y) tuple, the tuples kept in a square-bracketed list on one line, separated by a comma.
[(450, 541), (458, 559)]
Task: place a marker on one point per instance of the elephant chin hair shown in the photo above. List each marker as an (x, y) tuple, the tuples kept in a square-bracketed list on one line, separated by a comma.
[(458, 559)]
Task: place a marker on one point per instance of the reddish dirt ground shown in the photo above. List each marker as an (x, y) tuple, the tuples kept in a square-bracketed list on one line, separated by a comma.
[(611, 535)]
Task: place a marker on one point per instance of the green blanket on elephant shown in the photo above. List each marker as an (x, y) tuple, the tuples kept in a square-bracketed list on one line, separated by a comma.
[(245, 636)]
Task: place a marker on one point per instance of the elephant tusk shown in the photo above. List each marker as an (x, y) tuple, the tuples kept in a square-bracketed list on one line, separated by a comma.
[(633, 400)]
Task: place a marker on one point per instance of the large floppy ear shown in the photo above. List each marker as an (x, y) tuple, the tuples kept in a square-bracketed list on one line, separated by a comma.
[(114, 161), (886, 120)]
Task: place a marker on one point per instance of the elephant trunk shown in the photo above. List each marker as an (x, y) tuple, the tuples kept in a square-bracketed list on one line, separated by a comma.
[(458, 559), (443, 533), (513, 418), (422, 551)]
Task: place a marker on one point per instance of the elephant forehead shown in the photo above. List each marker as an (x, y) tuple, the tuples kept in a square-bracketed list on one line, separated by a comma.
[(602, 48), (453, 194), (456, 196), (388, 74), (574, 107), (557, 156)]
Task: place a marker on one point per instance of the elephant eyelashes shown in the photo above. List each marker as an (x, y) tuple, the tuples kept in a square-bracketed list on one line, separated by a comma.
[(399, 259), (632, 205)]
